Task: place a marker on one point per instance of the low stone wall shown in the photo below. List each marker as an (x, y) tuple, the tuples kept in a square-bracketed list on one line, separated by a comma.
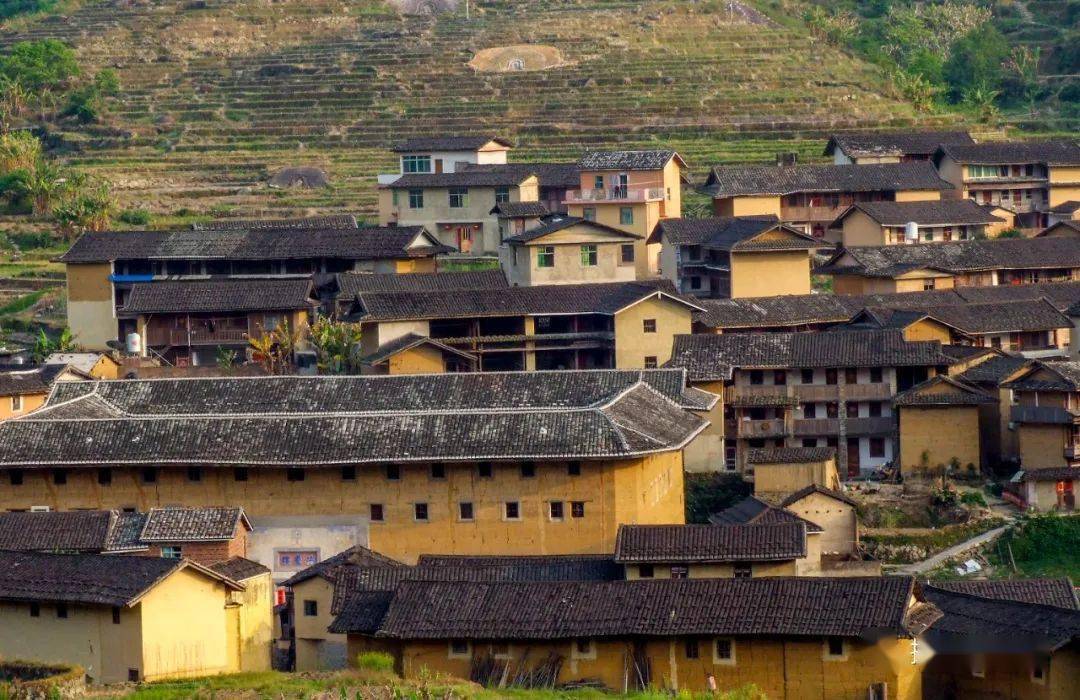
[(27, 680)]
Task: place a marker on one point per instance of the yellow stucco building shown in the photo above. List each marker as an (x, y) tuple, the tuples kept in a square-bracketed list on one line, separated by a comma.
[(940, 427), (784, 470), (569, 250)]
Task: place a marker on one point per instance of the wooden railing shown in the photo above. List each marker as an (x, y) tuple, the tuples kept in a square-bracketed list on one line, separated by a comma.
[(615, 194), (772, 427)]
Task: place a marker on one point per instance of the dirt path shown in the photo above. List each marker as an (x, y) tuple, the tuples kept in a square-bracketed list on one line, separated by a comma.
[(922, 567)]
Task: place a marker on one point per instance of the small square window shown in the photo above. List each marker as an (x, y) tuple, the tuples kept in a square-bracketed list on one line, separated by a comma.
[(416, 199), (104, 476), (59, 477), (15, 476), (512, 510), (16, 404), (807, 376), (240, 474), (465, 511), (875, 375), (116, 616), (692, 651), (348, 473), (1039, 670), (626, 216), (757, 377), (459, 648), (695, 282), (583, 649), (589, 255), (648, 325), (171, 552), (376, 513), (573, 468), (149, 475), (779, 377), (680, 572), (133, 675), (650, 362), (645, 571), (724, 651), (194, 474), (393, 472), (978, 665), (499, 651), (834, 648), (311, 608), (35, 609), (528, 470), (420, 512), (588, 213), (877, 447), (438, 470), (483, 470), (294, 474), (62, 611), (626, 254), (555, 510), (577, 509), (458, 197), (545, 256), (830, 377), (742, 570), (502, 195)]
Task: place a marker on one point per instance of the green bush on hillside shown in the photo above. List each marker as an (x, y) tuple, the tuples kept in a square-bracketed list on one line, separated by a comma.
[(1044, 545), (12, 8)]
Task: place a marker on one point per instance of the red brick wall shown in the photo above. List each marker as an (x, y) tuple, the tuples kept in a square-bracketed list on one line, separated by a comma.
[(207, 553)]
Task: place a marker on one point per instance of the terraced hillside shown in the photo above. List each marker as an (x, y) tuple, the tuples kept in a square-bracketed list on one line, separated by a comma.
[(218, 94)]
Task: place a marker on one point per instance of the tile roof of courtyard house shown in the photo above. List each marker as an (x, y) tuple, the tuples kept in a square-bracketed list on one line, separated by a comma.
[(207, 524), (712, 357), (790, 455), (735, 180), (298, 224), (469, 142), (239, 568), (367, 243), (709, 544), (89, 579), (334, 420), (461, 178), (955, 257), (805, 491), (220, 296), (558, 222), (1067, 373), (330, 569), (407, 342), (606, 298), (1058, 592), (1054, 474), (955, 393), (556, 175), (973, 623), (860, 144), (628, 160), (994, 370), (1051, 152), (30, 380), (733, 234), (811, 607), (520, 210), (980, 319), (352, 283), (754, 511), (939, 212)]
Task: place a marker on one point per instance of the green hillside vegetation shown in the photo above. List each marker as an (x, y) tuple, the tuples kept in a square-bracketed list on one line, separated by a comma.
[(1044, 545), (216, 95), (1021, 57)]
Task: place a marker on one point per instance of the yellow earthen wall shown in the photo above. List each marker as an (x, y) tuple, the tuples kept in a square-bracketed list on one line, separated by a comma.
[(1041, 446), (29, 403), (773, 273), (184, 628), (942, 433), (422, 359), (90, 305), (632, 345)]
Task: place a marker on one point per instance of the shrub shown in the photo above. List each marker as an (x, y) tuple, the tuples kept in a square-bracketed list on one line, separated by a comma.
[(135, 217), (375, 661), (709, 493), (38, 65), (973, 498)]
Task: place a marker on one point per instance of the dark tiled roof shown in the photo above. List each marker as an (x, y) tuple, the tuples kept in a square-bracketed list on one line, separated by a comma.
[(814, 488), (207, 296), (270, 244), (626, 160), (362, 612), (754, 511), (709, 357), (239, 568), (409, 341), (330, 568), (993, 371), (737, 180), (710, 543), (1067, 207), (558, 222), (957, 256), (1074, 225), (448, 143), (352, 283), (957, 394), (1000, 317), (520, 210), (850, 607), (125, 532), (1068, 372), (893, 143), (930, 213), (72, 531), (192, 524), (92, 579), (35, 380), (1060, 152), (600, 298), (461, 178), (539, 567), (1058, 592), (1052, 474), (733, 234), (973, 623), (554, 175), (310, 222), (790, 455)]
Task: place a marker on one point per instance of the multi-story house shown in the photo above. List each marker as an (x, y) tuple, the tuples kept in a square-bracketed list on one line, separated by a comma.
[(904, 223), (632, 191), (481, 463), (868, 147), (556, 180), (829, 389), (569, 250), (1028, 177), (446, 154), (810, 197), (734, 257), (925, 266), (624, 325), (103, 267)]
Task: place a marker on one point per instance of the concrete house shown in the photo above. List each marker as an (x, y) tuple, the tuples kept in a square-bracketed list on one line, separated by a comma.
[(103, 267), (810, 197), (623, 325), (900, 223), (632, 191), (734, 257), (821, 637), (121, 618), (481, 463), (869, 147), (909, 268), (1029, 177), (446, 154), (829, 389), (569, 250)]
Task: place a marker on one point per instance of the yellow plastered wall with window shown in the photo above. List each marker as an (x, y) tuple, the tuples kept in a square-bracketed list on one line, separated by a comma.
[(758, 569), (1003, 675), (20, 405), (785, 478), (317, 649), (633, 345)]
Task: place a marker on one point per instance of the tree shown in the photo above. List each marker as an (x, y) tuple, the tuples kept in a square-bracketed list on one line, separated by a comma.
[(85, 210), (976, 61), (48, 63), (45, 346), (982, 102), (19, 150), (273, 349), (335, 344), (87, 102), (1022, 73), (44, 184)]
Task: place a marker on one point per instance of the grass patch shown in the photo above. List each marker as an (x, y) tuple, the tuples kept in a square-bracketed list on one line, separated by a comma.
[(464, 265), (23, 303), (1042, 546)]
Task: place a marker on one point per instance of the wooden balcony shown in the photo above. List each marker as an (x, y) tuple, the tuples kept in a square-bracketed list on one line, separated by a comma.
[(179, 337), (822, 214), (870, 426), (868, 392), (1053, 415), (806, 427), (772, 427)]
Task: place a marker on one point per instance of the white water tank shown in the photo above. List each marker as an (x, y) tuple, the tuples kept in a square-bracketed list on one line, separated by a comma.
[(134, 343), (911, 232)]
